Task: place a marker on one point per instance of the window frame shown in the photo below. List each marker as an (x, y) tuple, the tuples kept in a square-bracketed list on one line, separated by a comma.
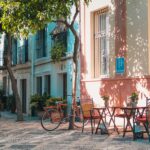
[(97, 54), (41, 39), (39, 89), (47, 88)]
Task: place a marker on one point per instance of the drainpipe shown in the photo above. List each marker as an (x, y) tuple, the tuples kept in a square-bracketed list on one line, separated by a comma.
[(32, 64)]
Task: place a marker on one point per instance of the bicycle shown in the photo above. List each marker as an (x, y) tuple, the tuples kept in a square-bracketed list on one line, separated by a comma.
[(54, 116)]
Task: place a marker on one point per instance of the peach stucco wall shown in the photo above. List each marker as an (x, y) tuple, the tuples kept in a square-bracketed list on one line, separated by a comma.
[(134, 36), (118, 90), (137, 37), (87, 36)]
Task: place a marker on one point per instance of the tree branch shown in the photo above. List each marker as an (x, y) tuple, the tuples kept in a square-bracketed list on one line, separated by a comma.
[(76, 14), (62, 21)]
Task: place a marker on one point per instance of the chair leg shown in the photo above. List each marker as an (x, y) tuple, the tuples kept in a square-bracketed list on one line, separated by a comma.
[(114, 122), (83, 126), (94, 125), (124, 123), (91, 126), (98, 126), (147, 130)]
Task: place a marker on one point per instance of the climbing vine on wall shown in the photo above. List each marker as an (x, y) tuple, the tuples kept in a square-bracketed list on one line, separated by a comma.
[(58, 51), (59, 46)]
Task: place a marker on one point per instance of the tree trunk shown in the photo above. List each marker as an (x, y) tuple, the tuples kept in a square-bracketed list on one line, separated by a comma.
[(8, 64), (75, 73)]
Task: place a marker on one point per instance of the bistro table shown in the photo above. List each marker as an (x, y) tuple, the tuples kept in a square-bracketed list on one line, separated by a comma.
[(104, 112), (132, 113)]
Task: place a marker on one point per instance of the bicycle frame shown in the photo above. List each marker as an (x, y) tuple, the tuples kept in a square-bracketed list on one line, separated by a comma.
[(54, 116)]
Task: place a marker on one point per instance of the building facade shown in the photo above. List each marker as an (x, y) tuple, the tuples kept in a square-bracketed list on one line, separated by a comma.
[(115, 52), (35, 71)]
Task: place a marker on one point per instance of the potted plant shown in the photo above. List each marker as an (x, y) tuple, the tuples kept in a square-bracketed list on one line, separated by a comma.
[(133, 99), (106, 100), (37, 103), (34, 100), (53, 102)]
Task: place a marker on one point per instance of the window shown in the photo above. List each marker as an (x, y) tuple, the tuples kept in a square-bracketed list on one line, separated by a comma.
[(20, 54), (47, 88), (14, 51), (39, 85), (26, 49), (59, 40), (41, 44), (23, 53), (101, 43)]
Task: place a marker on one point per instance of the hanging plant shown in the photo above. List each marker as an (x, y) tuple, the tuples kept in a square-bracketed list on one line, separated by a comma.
[(58, 51)]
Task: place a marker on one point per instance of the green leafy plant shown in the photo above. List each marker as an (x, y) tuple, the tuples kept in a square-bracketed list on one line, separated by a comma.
[(134, 96), (57, 51), (38, 102), (53, 101)]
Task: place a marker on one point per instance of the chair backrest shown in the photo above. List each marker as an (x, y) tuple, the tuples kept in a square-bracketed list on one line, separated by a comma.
[(148, 110), (86, 107)]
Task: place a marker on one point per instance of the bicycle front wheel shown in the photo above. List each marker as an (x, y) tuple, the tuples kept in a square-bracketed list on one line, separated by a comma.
[(51, 120)]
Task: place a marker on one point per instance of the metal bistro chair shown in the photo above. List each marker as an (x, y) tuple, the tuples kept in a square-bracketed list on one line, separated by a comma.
[(120, 115), (145, 119), (88, 112)]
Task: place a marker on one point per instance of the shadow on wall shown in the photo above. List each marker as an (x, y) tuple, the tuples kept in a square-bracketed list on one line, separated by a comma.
[(83, 91), (136, 60), (120, 89)]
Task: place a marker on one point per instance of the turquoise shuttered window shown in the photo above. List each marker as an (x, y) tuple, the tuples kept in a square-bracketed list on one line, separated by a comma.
[(47, 85), (14, 51), (41, 44), (26, 50), (39, 85)]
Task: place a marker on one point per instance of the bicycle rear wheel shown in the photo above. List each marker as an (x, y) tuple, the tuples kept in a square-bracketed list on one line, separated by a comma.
[(51, 120), (78, 122)]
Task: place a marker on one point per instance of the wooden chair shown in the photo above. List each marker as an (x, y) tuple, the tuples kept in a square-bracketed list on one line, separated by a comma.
[(88, 112), (145, 119)]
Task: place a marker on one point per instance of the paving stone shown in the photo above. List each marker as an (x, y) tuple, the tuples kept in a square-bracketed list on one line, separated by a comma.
[(30, 135), (22, 147), (2, 145)]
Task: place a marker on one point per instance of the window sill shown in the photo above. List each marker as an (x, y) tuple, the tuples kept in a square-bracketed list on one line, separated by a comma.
[(104, 76)]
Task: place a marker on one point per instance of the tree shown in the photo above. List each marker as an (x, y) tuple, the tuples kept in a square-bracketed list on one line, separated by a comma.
[(8, 64), (24, 17)]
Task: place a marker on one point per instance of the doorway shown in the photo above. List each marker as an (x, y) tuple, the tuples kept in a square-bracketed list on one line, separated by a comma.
[(24, 94), (65, 85)]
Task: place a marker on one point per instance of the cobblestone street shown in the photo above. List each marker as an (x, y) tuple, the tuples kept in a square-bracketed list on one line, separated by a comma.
[(30, 135)]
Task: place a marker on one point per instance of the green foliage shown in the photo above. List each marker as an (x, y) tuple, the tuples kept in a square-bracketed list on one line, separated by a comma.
[(38, 102), (29, 16), (53, 101), (134, 96), (58, 51)]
